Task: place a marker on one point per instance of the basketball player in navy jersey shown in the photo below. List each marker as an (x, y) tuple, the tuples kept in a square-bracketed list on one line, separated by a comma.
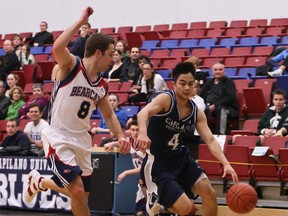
[(171, 176), (77, 89)]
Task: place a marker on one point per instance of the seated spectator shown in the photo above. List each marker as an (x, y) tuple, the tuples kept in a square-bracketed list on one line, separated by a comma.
[(273, 119), (38, 97), (121, 115), (3, 75), (201, 76), (17, 43), (16, 96), (115, 70), (275, 62), (78, 46), (10, 59), (16, 139), (150, 83), (4, 101), (34, 128), (12, 81), (25, 57), (41, 38), (142, 59), (125, 57), (131, 69), (219, 94)]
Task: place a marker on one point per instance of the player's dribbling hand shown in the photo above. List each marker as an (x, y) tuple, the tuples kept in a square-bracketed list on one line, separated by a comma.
[(124, 145), (231, 171), (143, 142)]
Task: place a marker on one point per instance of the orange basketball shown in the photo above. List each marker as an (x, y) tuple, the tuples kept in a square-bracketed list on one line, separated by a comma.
[(241, 198)]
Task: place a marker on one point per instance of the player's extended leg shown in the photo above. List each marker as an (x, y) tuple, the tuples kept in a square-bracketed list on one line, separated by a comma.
[(204, 189), (75, 190)]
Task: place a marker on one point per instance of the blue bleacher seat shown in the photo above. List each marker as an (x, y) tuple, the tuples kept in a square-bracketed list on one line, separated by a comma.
[(269, 41), (164, 73), (207, 42), (246, 72), (188, 43), (96, 114), (248, 41), (149, 44), (130, 110), (48, 49), (228, 42), (230, 72), (36, 50), (169, 44)]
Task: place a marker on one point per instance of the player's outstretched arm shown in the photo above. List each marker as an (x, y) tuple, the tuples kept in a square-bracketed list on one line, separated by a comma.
[(65, 60), (213, 145)]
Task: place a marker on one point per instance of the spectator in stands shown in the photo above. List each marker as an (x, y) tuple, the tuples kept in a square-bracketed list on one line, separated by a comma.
[(41, 38), (137, 159), (15, 137), (273, 119), (219, 95), (275, 62), (33, 129), (150, 83), (38, 97), (3, 74), (125, 57), (12, 81), (4, 101), (17, 43), (10, 59), (16, 96), (25, 57), (78, 46), (115, 70), (131, 69), (201, 76), (121, 115)]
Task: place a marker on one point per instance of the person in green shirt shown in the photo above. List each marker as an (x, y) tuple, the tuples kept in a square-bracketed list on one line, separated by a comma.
[(16, 95)]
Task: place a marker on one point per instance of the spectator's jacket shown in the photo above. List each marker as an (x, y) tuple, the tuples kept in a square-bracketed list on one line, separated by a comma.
[(226, 96), (272, 120)]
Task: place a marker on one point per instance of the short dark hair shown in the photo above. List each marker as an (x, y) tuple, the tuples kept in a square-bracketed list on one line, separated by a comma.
[(14, 120), (183, 68), (134, 122), (97, 41), (32, 105), (279, 92), (141, 57)]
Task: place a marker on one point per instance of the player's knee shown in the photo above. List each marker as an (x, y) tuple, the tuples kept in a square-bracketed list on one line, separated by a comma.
[(210, 194), (77, 192)]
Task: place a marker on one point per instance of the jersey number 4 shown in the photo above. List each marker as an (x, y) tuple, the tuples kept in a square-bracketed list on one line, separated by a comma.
[(84, 109), (174, 142)]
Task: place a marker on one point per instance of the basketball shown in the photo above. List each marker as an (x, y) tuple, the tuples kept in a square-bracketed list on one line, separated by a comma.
[(241, 198)]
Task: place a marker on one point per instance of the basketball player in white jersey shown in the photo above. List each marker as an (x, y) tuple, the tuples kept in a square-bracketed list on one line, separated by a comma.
[(77, 89)]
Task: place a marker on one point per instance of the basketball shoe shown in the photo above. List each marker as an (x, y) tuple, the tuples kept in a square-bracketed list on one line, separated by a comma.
[(33, 187)]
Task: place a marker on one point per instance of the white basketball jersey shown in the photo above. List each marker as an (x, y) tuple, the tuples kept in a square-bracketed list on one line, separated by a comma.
[(73, 100)]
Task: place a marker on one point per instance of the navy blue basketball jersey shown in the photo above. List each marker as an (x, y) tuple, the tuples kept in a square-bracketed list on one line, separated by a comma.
[(165, 129)]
